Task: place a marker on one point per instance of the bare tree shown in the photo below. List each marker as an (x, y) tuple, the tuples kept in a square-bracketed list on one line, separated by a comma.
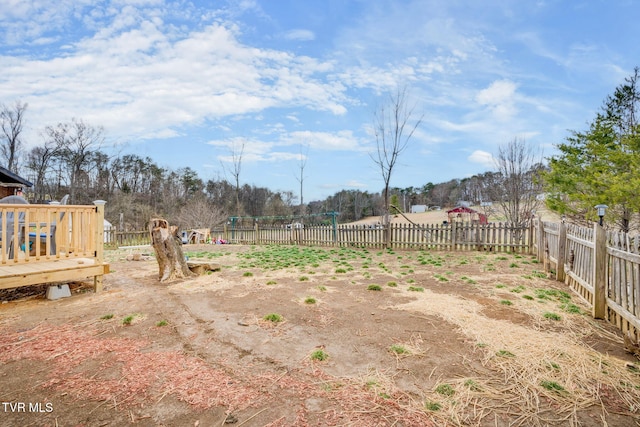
[(40, 162), (11, 124), (200, 213), (76, 143), (518, 185), (394, 126), (237, 150), (302, 163)]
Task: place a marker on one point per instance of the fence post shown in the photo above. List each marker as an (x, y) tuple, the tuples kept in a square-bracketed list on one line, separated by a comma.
[(256, 239), (530, 236), (99, 242), (600, 273), (562, 244), (540, 240), (387, 235), (454, 232)]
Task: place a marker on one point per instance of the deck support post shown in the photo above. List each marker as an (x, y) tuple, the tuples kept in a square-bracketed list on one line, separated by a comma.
[(99, 242)]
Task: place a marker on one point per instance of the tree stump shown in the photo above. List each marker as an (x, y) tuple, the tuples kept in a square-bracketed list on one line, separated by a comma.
[(168, 248)]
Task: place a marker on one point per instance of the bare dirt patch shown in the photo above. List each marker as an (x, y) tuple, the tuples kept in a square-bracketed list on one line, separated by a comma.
[(449, 339)]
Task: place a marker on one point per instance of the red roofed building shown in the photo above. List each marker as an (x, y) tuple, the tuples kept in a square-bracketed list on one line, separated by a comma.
[(465, 214)]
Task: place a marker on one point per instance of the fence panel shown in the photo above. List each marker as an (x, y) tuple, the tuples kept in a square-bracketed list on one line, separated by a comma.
[(624, 282), (114, 239), (580, 260), (550, 243), (357, 235)]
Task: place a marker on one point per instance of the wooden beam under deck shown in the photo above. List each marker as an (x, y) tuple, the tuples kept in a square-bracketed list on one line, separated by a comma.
[(62, 270)]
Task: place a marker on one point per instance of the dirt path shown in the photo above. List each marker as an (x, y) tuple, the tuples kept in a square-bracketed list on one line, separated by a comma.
[(449, 339)]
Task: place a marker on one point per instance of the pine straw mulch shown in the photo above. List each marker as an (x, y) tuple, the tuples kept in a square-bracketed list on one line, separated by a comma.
[(120, 373), (539, 376)]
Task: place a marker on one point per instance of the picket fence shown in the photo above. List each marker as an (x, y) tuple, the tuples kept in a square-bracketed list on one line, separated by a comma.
[(602, 267), (455, 236)]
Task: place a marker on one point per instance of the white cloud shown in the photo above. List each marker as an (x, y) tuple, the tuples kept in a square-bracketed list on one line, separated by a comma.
[(499, 97), (326, 141), (355, 184), (147, 80), (483, 158), (300, 35)]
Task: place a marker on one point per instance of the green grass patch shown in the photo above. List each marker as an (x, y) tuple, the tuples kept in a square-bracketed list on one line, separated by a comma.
[(415, 289), (445, 390), (107, 317), (127, 321), (432, 406), (552, 316), (374, 288), (247, 274), (554, 366), (552, 386), (309, 300), (505, 353), (273, 317), (319, 355), (472, 385), (506, 302), (162, 323), (398, 349)]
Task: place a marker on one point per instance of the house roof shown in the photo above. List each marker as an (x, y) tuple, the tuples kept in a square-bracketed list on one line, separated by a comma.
[(461, 209), (10, 179)]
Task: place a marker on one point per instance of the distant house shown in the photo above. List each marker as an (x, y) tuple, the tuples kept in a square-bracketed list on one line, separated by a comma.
[(465, 214), (10, 183), (418, 208)]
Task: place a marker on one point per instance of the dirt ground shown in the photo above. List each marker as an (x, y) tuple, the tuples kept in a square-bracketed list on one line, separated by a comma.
[(470, 338)]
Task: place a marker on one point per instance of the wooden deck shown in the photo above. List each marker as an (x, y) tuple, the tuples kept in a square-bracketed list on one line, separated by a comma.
[(60, 270), (51, 243)]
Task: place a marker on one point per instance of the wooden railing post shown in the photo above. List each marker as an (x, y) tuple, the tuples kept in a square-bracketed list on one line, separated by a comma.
[(599, 273), (562, 244), (99, 242)]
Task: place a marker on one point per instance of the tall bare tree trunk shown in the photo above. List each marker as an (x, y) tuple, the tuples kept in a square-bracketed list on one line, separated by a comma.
[(168, 249)]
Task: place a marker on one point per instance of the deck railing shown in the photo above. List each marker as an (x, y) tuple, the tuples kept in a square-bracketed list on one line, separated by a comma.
[(35, 233)]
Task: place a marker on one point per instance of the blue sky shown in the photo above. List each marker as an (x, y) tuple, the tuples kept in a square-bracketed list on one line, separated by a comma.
[(187, 83)]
